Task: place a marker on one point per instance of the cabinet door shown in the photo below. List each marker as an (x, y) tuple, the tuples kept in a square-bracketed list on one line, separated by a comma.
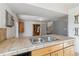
[(60, 53), (69, 51), (56, 47), (54, 54), (47, 55), (41, 52)]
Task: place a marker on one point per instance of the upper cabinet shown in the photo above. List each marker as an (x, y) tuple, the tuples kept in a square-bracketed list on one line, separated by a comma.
[(21, 27)]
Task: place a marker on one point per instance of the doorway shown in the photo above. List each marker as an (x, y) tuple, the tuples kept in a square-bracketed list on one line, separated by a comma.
[(36, 29)]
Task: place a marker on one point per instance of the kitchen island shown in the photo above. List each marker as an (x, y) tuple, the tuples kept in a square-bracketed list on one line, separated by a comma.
[(16, 46)]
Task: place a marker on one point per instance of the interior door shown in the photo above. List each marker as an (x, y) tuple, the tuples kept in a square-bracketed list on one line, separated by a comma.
[(36, 29), (21, 27)]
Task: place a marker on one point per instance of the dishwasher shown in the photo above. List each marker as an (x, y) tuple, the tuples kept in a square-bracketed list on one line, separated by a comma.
[(24, 54)]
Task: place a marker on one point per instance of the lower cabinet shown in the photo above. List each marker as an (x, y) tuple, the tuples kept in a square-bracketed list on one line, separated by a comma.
[(41, 52), (54, 54), (66, 49), (69, 51), (47, 50), (58, 53), (47, 55)]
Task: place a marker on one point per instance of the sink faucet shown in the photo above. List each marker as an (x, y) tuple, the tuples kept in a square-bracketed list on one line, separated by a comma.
[(49, 38), (39, 40)]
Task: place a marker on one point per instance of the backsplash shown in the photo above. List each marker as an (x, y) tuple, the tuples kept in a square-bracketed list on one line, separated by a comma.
[(2, 34)]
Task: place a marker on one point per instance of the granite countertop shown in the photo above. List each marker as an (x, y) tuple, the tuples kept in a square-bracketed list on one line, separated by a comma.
[(19, 45)]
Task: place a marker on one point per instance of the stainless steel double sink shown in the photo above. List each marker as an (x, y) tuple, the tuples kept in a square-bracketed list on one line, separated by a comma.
[(42, 39)]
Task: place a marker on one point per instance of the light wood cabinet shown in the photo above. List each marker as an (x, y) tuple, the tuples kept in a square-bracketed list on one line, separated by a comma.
[(41, 52), (21, 27), (47, 55), (54, 54), (69, 51), (63, 49), (69, 48), (56, 47), (47, 50), (60, 53), (57, 53)]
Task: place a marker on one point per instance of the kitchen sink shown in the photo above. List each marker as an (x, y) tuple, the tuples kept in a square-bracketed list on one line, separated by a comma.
[(37, 41), (42, 39)]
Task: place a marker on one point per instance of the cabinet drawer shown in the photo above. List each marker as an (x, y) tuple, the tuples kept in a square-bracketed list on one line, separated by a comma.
[(56, 47), (41, 52), (68, 43)]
